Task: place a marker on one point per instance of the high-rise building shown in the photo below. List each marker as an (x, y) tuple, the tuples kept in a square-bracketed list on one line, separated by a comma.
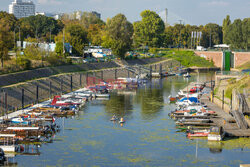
[(22, 9)]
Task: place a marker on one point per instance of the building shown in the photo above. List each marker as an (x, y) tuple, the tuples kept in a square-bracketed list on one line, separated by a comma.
[(22, 9), (97, 14), (55, 16)]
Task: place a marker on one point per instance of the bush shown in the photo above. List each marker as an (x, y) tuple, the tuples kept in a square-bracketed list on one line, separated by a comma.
[(54, 59), (23, 62)]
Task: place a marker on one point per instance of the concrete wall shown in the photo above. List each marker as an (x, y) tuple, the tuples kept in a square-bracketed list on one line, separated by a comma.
[(215, 56), (14, 93), (239, 57)]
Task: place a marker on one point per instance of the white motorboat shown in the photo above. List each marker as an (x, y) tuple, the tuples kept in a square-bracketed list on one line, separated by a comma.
[(187, 75)]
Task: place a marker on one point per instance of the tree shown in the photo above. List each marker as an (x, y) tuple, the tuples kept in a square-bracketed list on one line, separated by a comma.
[(118, 35), (211, 31), (78, 38), (246, 33), (235, 36), (95, 32), (40, 26), (149, 31), (225, 29), (88, 19), (10, 19), (5, 40)]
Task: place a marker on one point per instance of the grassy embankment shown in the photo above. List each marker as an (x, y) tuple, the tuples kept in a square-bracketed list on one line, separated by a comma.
[(186, 58), (240, 85), (244, 66), (231, 84)]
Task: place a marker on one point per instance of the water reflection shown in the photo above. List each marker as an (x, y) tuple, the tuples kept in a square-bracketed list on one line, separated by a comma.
[(148, 137), (120, 105)]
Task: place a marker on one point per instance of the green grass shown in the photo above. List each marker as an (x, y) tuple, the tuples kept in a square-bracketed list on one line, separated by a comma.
[(243, 83), (186, 58)]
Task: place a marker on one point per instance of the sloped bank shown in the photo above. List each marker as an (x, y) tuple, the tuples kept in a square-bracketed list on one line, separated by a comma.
[(27, 92)]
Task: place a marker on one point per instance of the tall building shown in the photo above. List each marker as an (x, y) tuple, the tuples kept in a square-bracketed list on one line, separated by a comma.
[(22, 9)]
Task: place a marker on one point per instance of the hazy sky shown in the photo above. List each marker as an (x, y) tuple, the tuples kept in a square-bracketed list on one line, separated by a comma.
[(191, 11)]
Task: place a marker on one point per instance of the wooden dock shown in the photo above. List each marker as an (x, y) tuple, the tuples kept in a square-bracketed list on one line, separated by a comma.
[(225, 120)]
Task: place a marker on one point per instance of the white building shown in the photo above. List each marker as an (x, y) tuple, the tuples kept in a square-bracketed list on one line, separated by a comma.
[(55, 16), (22, 9)]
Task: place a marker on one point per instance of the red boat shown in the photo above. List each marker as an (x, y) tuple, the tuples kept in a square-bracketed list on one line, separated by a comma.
[(59, 101), (197, 134)]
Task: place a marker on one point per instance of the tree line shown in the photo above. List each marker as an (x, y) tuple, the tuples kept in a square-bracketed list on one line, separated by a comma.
[(117, 33)]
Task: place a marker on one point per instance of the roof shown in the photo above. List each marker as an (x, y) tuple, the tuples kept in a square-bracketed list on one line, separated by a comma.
[(221, 46)]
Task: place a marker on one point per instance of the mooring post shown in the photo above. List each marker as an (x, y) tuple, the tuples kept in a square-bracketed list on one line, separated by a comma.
[(102, 75), (22, 98), (5, 103), (115, 74), (94, 78), (61, 86), (160, 70), (37, 93), (50, 84), (71, 83), (231, 102), (150, 71), (87, 75), (223, 99), (80, 80)]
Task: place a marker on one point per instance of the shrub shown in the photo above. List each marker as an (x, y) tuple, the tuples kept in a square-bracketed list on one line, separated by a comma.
[(23, 62), (53, 59)]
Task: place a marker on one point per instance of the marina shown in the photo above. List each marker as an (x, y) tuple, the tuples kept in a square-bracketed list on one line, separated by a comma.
[(82, 122)]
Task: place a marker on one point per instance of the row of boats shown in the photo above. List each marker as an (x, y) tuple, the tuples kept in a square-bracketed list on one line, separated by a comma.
[(193, 117), (39, 123)]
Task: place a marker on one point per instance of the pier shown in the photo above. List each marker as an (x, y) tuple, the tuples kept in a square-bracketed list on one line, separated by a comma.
[(234, 126)]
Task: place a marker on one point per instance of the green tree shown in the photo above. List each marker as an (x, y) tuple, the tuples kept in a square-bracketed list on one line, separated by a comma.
[(5, 40), (95, 32), (149, 31), (246, 33), (118, 34), (213, 31), (225, 29), (9, 19), (235, 35), (40, 26), (78, 38)]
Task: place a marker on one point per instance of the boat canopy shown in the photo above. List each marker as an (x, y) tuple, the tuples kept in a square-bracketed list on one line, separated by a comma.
[(192, 99)]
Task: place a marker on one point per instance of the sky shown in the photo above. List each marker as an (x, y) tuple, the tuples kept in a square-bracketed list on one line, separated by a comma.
[(195, 12)]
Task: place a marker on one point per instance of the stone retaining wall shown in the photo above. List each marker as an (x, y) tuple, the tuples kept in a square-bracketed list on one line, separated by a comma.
[(79, 79)]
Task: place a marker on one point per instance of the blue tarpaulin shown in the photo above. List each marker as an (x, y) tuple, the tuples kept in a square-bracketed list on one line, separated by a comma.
[(192, 99)]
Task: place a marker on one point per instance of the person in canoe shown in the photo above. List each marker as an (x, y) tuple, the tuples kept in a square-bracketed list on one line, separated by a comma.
[(122, 120), (114, 118)]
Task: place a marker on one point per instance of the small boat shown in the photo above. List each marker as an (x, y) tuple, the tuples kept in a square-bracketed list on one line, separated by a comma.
[(187, 75), (19, 121), (122, 120), (114, 118), (216, 134), (197, 134)]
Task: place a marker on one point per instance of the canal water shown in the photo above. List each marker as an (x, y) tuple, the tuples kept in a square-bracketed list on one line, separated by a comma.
[(148, 138)]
